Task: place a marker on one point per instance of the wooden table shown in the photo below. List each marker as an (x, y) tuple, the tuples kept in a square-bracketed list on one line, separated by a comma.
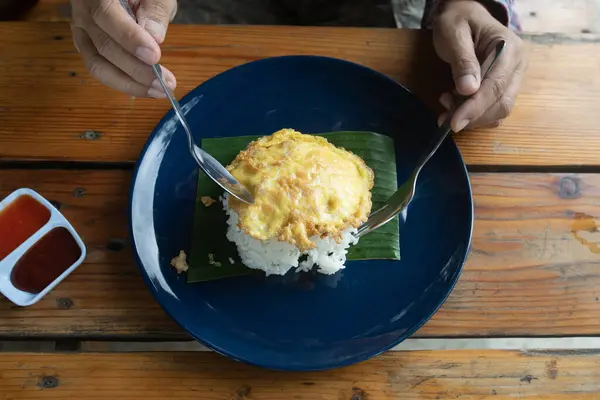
[(534, 268)]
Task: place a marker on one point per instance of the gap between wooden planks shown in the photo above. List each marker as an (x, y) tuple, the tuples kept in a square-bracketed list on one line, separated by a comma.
[(533, 269), (418, 375), (48, 101)]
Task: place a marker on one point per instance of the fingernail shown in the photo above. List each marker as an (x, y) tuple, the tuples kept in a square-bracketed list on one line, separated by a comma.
[(169, 79), (156, 85), (156, 93), (462, 125), (146, 54), (155, 29), (442, 118), (466, 84), (446, 101)]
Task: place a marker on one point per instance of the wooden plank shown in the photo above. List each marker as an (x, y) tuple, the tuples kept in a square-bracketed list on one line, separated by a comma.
[(422, 375), (533, 269), (534, 253), (106, 295), (48, 100), (572, 17), (50, 11)]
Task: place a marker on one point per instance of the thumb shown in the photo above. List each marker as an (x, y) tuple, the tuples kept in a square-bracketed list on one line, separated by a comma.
[(461, 55), (154, 16)]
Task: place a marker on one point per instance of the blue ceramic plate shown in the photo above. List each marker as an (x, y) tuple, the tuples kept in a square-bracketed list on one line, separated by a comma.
[(324, 321)]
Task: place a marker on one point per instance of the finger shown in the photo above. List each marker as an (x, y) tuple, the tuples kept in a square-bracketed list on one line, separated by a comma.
[(502, 108), (155, 15), (112, 18), (466, 71), (104, 71), (442, 118), (487, 125), (492, 88), (447, 101), (125, 61)]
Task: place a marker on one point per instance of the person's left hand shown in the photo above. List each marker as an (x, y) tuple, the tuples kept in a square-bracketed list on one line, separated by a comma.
[(464, 33)]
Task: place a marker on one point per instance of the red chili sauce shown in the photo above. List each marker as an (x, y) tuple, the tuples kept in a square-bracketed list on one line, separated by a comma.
[(49, 257), (23, 217)]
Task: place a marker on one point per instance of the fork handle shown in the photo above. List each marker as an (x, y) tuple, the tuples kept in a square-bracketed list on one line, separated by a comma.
[(443, 131), (405, 193)]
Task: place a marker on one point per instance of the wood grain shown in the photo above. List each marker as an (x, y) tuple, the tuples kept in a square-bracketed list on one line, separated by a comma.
[(50, 11), (572, 17), (534, 267), (422, 375), (106, 295), (48, 100)]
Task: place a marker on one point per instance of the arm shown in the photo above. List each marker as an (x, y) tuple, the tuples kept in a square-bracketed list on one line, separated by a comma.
[(502, 10)]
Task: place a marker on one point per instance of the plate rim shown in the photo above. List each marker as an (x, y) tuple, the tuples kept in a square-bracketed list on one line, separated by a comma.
[(169, 115)]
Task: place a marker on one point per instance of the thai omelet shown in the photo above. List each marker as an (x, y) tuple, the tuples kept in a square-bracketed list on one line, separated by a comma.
[(302, 186)]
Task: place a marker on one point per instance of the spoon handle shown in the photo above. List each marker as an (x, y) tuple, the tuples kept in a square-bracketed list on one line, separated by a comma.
[(174, 103), (159, 76), (213, 168)]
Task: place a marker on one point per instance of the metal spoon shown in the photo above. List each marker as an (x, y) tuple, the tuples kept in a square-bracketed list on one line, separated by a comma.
[(405, 193), (214, 169)]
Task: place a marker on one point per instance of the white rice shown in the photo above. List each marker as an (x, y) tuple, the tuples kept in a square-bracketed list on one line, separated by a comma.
[(277, 258)]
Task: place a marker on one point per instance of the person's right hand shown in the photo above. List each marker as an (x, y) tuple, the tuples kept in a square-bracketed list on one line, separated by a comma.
[(118, 51)]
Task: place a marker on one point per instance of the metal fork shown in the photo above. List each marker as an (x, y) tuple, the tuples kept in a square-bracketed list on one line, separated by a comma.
[(405, 193)]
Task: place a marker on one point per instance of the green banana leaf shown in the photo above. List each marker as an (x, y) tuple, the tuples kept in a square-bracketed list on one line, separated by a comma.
[(211, 252)]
